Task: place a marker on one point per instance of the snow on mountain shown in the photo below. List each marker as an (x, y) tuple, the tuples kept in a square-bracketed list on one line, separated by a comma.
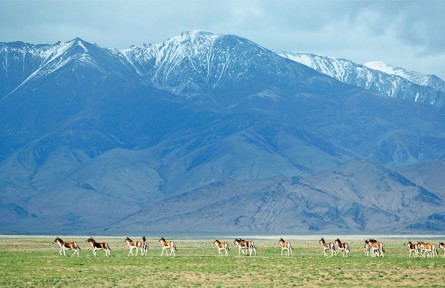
[(382, 78), (202, 66), (48, 58), (23, 63), (412, 76)]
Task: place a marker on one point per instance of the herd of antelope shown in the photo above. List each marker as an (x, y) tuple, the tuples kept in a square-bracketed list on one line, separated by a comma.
[(425, 249), (371, 247)]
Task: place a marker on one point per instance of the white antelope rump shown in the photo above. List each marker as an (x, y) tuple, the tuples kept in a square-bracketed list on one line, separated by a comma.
[(342, 247), (133, 245), (413, 249), (286, 247), (376, 248), (99, 246), (167, 245), (327, 246), (244, 245), (222, 246), (66, 246)]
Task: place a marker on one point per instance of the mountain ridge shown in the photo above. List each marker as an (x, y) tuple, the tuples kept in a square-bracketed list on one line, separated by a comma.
[(97, 136), (391, 82)]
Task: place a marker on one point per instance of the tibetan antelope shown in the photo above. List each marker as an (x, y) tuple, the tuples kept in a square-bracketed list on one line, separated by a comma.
[(167, 245), (413, 249), (245, 245), (98, 246), (367, 249), (144, 246), (427, 249), (376, 248), (67, 246), (222, 246), (342, 247), (442, 246), (327, 246), (285, 247), (134, 245)]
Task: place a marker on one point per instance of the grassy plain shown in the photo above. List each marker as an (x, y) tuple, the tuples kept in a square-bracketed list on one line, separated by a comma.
[(35, 262)]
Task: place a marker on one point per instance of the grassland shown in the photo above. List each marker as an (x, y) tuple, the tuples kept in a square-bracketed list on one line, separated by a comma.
[(35, 262)]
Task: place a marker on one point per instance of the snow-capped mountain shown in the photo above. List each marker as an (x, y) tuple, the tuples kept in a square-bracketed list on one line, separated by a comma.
[(412, 76), (379, 77), (204, 65), (23, 63), (91, 133)]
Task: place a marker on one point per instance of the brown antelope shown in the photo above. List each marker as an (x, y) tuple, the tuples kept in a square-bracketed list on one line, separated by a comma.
[(167, 245), (98, 246), (134, 245), (222, 246), (376, 248), (285, 247), (67, 246), (245, 245), (343, 247), (442, 246), (429, 250), (327, 246), (413, 249)]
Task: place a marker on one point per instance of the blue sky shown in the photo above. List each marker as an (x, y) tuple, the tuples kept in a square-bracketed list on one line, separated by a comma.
[(408, 34)]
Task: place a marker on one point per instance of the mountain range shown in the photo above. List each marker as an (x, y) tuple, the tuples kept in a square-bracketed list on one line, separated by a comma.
[(214, 133), (379, 77)]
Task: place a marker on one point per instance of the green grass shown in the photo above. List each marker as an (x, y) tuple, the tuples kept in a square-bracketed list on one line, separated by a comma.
[(35, 262)]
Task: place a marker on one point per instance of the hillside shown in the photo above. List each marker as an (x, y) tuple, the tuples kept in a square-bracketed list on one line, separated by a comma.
[(91, 135)]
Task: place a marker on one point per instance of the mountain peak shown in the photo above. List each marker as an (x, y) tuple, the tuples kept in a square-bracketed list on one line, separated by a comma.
[(383, 67), (198, 33), (378, 76), (412, 76)]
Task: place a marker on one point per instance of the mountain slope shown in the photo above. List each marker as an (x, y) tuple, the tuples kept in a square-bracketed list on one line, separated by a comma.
[(89, 133), (380, 78), (415, 77), (203, 67), (356, 197)]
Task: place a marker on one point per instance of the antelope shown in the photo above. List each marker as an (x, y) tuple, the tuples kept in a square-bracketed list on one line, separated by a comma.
[(144, 246), (67, 246), (133, 245), (167, 245), (376, 248), (245, 245), (428, 249), (442, 246), (222, 246), (343, 247), (285, 247), (99, 246), (367, 249), (327, 246), (413, 249)]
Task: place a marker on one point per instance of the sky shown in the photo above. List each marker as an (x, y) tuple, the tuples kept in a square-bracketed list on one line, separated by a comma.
[(402, 33)]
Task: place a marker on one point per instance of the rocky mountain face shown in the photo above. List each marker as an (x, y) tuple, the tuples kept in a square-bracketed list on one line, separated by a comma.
[(199, 129), (378, 77), (359, 197)]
